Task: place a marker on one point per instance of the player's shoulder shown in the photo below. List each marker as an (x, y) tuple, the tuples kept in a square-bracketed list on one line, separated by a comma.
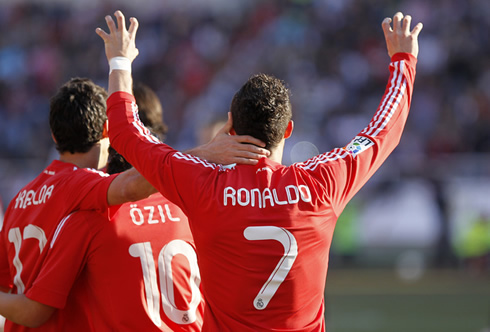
[(91, 172), (84, 176), (185, 158), (60, 169), (327, 159), (81, 223), (84, 219)]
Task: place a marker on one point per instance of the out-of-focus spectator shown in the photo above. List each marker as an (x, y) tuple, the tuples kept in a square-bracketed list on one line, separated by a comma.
[(196, 58), (196, 53)]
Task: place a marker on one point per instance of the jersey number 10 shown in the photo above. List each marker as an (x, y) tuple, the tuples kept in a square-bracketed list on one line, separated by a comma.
[(144, 252)]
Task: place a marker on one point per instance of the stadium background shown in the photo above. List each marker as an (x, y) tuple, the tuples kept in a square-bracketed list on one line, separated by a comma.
[(411, 251)]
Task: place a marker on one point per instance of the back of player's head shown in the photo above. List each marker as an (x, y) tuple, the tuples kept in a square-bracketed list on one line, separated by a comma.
[(150, 109), (150, 112), (261, 109), (77, 115)]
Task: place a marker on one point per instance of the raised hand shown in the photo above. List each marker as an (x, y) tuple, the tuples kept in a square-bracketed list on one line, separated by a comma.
[(119, 41), (399, 38)]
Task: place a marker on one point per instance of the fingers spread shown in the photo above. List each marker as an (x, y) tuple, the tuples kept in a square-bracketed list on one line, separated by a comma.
[(397, 21), (121, 23), (110, 24), (406, 24), (386, 26), (102, 34), (133, 27), (416, 30)]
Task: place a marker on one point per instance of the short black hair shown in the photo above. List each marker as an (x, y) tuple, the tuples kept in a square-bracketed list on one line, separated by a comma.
[(77, 115), (116, 162), (261, 109)]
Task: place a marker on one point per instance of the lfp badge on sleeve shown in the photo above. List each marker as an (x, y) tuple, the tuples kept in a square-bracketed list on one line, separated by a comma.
[(358, 145)]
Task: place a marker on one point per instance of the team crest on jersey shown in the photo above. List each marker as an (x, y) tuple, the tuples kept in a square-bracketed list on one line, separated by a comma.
[(358, 145)]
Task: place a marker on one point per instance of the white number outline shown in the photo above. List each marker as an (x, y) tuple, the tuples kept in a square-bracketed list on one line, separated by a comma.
[(15, 237), (144, 252), (280, 272)]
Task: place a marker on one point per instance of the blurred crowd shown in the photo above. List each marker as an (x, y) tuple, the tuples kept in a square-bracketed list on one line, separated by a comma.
[(196, 54)]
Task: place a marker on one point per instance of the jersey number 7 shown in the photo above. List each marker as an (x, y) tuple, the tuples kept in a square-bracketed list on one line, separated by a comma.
[(282, 268)]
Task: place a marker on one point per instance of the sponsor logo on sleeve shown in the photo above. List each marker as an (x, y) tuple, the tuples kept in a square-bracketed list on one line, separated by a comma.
[(358, 145)]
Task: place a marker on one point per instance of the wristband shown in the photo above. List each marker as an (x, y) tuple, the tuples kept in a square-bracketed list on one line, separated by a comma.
[(119, 63)]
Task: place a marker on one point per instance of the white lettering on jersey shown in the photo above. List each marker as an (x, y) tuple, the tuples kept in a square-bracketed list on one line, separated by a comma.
[(31, 197), (137, 216), (255, 197)]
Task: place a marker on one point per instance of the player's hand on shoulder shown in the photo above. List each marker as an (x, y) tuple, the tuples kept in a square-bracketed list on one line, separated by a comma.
[(399, 37), (231, 149)]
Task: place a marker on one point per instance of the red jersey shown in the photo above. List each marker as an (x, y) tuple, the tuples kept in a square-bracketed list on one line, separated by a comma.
[(34, 213), (138, 272), (263, 232)]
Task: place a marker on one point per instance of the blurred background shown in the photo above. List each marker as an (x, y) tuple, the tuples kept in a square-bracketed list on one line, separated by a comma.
[(412, 250)]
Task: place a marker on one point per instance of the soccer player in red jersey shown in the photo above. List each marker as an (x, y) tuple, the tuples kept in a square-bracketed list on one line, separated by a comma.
[(162, 248), (77, 117), (36, 216), (262, 232), (146, 250)]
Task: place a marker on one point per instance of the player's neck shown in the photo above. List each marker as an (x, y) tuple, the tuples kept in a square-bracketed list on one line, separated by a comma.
[(95, 158), (276, 152)]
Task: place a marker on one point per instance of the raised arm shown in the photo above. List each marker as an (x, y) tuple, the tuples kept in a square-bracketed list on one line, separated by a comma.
[(120, 49), (347, 169)]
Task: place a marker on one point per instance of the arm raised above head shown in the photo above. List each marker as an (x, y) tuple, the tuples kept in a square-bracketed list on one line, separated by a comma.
[(348, 168), (120, 49)]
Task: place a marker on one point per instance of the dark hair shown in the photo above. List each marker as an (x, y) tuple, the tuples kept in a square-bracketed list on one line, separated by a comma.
[(150, 113), (261, 109), (116, 162), (77, 115), (150, 109)]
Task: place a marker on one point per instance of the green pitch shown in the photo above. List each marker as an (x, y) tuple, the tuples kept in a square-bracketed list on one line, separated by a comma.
[(378, 301)]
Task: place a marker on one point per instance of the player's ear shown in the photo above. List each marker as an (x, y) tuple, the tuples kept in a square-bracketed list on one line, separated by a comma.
[(230, 123), (289, 129), (54, 139)]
